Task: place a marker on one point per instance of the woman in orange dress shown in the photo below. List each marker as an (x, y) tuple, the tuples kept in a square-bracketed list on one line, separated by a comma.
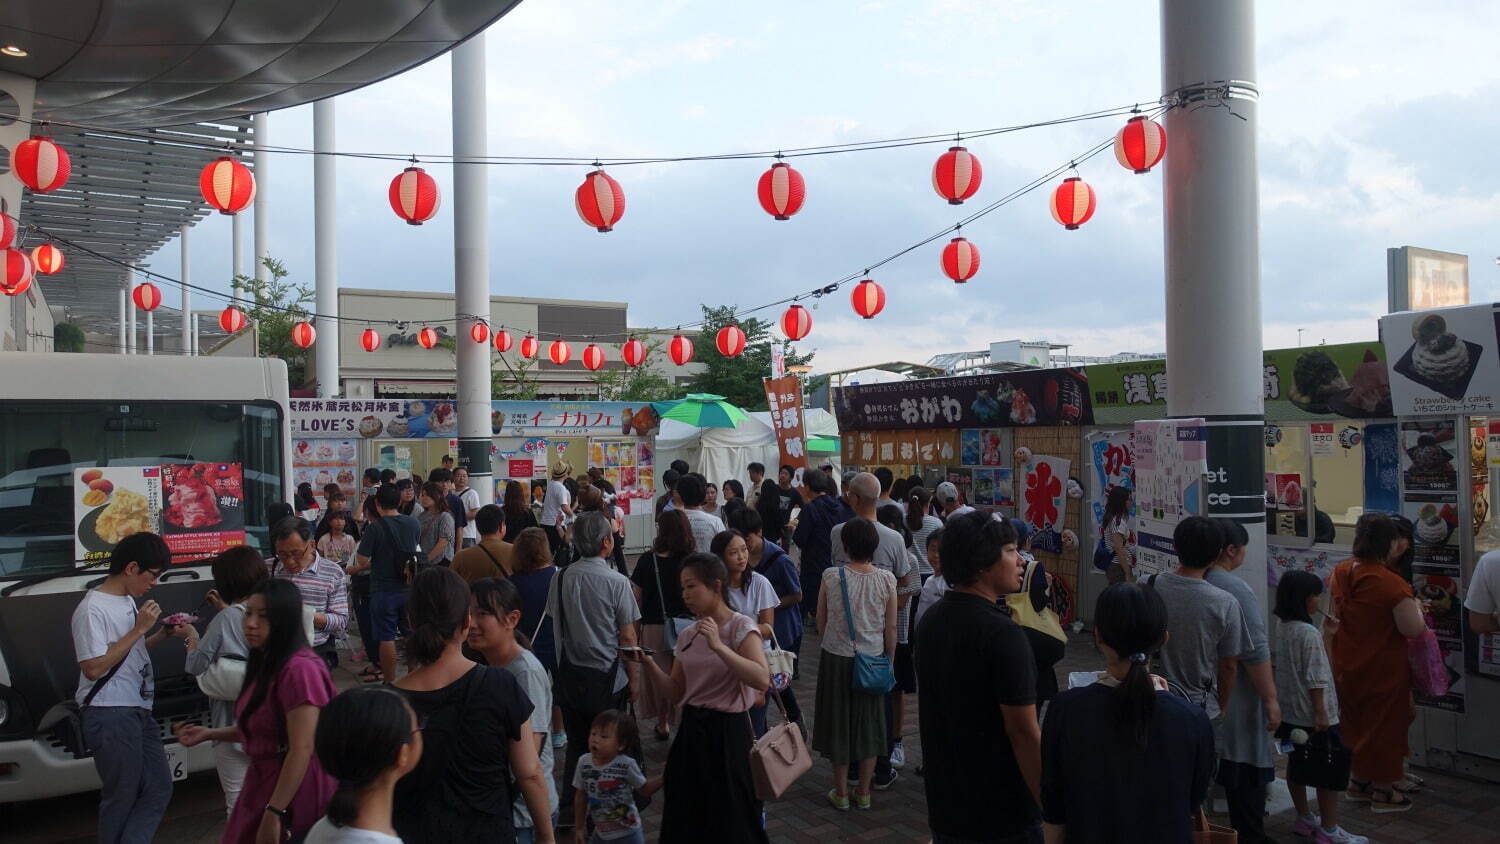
[(1374, 613)]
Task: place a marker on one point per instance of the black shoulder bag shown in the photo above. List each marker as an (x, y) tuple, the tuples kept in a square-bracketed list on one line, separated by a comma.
[(408, 563), (578, 687)]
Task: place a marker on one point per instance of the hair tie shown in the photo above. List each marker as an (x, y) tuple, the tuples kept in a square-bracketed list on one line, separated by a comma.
[(1138, 659)]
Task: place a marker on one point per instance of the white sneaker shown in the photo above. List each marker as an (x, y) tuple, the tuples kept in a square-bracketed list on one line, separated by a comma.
[(898, 755), (1339, 836)]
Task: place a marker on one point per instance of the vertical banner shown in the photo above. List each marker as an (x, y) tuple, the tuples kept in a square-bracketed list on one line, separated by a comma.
[(784, 395), (1171, 458), (1044, 500), (1113, 465), (778, 362)]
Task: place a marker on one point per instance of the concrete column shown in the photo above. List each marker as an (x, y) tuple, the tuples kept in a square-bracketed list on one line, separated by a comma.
[(124, 320), (151, 332), (236, 253), (325, 250), (130, 310), (260, 123), (185, 277), (471, 263), (1212, 220)]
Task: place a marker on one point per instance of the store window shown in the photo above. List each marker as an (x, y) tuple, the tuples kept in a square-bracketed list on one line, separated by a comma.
[(1287, 472), (1322, 476)]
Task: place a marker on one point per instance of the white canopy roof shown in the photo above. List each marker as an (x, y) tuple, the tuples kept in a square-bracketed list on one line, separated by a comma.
[(723, 453)]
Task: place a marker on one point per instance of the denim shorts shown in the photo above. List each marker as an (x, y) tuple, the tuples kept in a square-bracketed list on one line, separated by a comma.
[(388, 615)]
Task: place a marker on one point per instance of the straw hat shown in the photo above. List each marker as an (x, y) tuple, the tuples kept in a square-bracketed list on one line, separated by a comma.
[(562, 470)]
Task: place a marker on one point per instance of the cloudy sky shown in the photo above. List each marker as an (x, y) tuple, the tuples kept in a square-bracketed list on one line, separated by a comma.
[(1377, 122)]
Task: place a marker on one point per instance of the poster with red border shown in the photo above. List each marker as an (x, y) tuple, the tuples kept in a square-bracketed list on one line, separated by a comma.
[(202, 508)]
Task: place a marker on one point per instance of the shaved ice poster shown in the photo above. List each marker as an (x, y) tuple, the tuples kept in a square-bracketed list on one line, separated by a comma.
[(1436, 360)]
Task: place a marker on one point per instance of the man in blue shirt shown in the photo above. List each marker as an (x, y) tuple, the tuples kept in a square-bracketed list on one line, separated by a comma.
[(821, 510)]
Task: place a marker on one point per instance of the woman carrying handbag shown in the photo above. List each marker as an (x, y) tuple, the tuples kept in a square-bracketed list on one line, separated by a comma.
[(664, 617)]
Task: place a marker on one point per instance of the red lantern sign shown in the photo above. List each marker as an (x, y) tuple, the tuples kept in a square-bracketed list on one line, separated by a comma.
[(781, 191), (529, 346), (7, 231), (559, 352), (730, 341), (681, 349), (1140, 144), (480, 333), (960, 260), (600, 201), (40, 164), (633, 352), (868, 299), (956, 175), (1073, 202), (427, 337), (47, 259), (503, 341), (593, 357), (369, 339), (414, 196), (303, 334), (796, 322), (18, 272), (232, 320), (227, 185), (147, 296)]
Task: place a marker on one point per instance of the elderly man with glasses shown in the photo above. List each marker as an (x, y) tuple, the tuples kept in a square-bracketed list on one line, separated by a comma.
[(321, 581)]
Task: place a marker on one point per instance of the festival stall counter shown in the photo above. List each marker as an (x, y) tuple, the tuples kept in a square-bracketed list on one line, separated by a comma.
[(1008, 441)]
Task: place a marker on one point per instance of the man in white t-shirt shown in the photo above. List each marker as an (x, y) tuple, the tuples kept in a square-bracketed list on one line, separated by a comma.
[(116, 686), (947, 498), (1483, 600), (469, 536), (558, 504), (694, 492)]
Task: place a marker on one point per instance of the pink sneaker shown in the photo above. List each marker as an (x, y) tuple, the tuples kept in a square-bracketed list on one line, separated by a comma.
[(1305, 828)]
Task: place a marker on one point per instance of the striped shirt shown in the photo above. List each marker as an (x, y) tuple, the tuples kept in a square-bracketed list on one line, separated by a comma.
[(323, 588)]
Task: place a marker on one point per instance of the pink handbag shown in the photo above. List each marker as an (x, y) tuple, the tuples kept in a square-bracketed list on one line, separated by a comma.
[(1429, 676), (777, 759)]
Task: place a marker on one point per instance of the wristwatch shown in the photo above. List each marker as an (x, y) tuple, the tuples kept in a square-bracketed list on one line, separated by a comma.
[(284, 814)]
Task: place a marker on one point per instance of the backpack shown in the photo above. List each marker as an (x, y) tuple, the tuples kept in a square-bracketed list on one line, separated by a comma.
[(408, 563)]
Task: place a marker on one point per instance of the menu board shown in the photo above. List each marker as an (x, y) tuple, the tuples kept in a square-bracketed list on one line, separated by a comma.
[(323, 462), (629, 465), (197, 508)]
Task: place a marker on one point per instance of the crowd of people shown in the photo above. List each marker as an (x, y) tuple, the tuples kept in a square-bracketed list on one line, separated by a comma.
[(535, 654)]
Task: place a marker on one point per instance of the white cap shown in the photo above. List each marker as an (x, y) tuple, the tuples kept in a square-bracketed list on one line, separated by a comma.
[(946, 491)]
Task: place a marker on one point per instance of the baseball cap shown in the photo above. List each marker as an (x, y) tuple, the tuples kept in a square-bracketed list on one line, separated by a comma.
[(946, 491)]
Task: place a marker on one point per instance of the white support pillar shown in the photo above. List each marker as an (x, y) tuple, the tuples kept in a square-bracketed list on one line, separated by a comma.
[(130, 310), (124, 320), (236, 253), (151, 332), (193, 338), (325, 249), (1212, 220), (261, 125), (471, 263), (184, 278)]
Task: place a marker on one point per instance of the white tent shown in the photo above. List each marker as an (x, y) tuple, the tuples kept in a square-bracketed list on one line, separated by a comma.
[(723, 453)]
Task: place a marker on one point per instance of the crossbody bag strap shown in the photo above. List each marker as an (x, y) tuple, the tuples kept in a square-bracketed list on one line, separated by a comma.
[(492, 558), (661, 593), (104, 681), (848, 614)]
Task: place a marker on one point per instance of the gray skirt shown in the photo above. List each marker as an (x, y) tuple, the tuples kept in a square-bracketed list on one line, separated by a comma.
[(847, 725)]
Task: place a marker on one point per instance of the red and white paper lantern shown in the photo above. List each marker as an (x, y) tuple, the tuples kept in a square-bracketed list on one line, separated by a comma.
[(414, 196), (47, 259), (530, 346), (232, 320), (146, 296), (227, 185), (559, 352), (781, 191), (1073, 202), (956, 175), (427, 337), (796, 323), (600, 201), (633, 352), (1140, 144), (681, 349), (40, 164), (7, 231), (868, 299), (479, 333), (18, 272), (593, 357), (730, 341), (960, 260), (503, 341), (303, 334), (369, 340)]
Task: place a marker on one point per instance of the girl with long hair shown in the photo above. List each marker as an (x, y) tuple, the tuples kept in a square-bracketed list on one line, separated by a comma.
[(369, 738), (496, 635), (1124, 753), (286, 684), (921, 523), (408, 492), (437, 524), (657, 593), (1116, 531), (477, 745), (518, 514), (720, 668), (750, 594)]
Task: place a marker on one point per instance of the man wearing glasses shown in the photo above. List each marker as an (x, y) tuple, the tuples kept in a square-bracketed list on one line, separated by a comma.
[(320, 580)]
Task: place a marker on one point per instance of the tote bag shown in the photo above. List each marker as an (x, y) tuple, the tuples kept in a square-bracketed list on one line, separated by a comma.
[(1429, 676)]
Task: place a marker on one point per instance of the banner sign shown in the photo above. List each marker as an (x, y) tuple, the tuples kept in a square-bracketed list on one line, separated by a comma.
[(197, 508), (1113, 464), (1437, 357), (1171, 458), (784, 396), (1010, 400), (1044, 500), (400, 419)]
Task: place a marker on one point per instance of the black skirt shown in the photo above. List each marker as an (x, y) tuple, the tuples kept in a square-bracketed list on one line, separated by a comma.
[(707, 793)]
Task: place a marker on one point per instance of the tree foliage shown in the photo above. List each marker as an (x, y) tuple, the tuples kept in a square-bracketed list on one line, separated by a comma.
[(67, 337), (514, 380), (739, 379), (636, 383), (275, 305)]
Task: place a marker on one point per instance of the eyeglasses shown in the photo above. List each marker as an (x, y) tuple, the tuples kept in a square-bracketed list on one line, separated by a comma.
[(284, 556)]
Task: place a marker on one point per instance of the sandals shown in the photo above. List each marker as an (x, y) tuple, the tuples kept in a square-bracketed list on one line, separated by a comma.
[(1384, 801), (371, 674), (1410, 784), (1359, 791)]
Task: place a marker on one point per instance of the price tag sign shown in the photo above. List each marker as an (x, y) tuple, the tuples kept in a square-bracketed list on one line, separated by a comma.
[(1324, 441)]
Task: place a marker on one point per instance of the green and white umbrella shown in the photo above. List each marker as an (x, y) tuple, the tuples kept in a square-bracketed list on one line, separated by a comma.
[(703, 410)]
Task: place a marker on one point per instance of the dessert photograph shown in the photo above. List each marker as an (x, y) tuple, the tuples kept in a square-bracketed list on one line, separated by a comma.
[(1439, 359), (1427, 456), (1434, 525), (443, 418), (370, 426)]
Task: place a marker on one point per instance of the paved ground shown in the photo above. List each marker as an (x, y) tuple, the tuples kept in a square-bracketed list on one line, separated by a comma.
[(1451, 810)]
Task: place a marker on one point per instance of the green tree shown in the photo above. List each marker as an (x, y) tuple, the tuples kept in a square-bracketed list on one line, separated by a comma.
[(67, 337), (739, 379), (275, 305), (635, 383), (514, 381)]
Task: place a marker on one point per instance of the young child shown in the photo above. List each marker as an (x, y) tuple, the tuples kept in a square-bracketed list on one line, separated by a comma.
[(1309, 702), (934, 586), (337, 545), (605, 781)]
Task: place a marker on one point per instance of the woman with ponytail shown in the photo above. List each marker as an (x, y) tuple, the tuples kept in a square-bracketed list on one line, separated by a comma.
[(496, 636), (368, 738), (478, 745), (920, 523), (1124, 753), (286, 684)]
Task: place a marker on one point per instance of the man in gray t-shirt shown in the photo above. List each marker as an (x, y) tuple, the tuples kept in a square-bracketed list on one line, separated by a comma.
[(1207, 633)]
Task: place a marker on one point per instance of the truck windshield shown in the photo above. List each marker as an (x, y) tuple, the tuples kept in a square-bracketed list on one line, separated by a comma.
[(42, 443)]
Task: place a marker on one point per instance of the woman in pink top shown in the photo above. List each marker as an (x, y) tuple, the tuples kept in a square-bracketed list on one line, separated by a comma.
[(286, 686), (720, 667)]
